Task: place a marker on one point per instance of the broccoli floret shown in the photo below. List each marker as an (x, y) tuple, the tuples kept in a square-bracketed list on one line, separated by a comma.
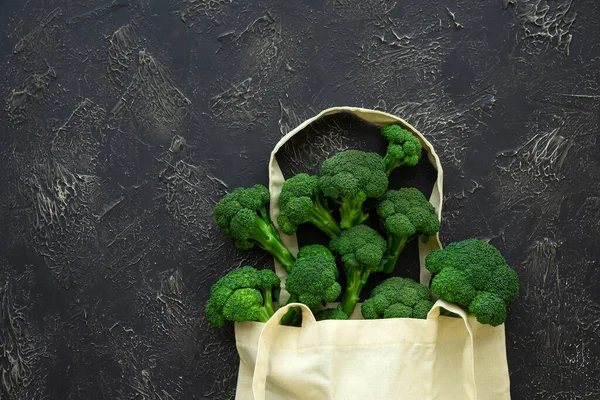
[(361, 249), (301, 201), (330, 313), (314, 250), (404, 148), (313, 280), (398, 298), (350, 178), (244, 294), (473, 274), (406, 213), (242, 215)]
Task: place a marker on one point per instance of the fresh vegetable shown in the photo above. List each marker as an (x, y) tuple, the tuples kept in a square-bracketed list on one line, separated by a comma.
[(301, 201), (405, 213), (351, 177), (244, 294), (330, 313), (242, 215), (404, 148), (473, 274), (313, 280), (361, 249), (398, 298)]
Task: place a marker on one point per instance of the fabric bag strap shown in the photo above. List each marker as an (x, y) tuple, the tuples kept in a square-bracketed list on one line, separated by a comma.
[(267, 337), (380, 118), (269, 332), (468, 381)]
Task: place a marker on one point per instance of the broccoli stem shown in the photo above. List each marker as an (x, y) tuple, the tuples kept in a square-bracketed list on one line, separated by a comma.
[(351, 213), (294, 315), (391, 163), (267, 237), (266, 311), (395, 247), (268, 300), (264, 315), (321, 217), (355, 281)]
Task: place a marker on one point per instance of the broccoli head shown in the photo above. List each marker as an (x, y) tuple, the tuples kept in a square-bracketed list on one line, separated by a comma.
[(244, 294), (350, 178), (404, 148), (313, 280), (406, 213), (301, 201), (361, 249), (242, 215), (398, 298), (473, 274), (314, 250), (331, 313)]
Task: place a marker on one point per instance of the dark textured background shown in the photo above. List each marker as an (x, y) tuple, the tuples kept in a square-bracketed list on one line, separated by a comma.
[(123, 121)]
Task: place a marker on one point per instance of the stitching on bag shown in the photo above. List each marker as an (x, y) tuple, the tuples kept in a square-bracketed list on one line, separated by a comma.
[(347, 346)]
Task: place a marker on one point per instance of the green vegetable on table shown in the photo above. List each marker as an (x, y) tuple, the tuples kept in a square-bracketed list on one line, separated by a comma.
[(405, 213), (404, 148), (473, 274), (242, 215), (244, 294), (301, 201), (330, 313), (313, 280), (351, 177), (361, 249), (398, 298)]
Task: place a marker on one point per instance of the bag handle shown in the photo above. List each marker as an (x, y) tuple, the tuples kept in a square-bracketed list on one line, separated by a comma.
[(380, 118), (469, 382), (259, 380)]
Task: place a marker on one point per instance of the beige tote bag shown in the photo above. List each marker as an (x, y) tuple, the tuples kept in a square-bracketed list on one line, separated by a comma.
[(388, 359)]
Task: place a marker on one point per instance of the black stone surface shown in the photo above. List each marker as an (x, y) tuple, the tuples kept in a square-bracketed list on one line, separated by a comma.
[(123, 121)]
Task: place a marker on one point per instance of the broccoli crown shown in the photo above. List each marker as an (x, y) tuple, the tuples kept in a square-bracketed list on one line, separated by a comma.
[(330, 313), (314, 250), (404, 147), (242, 215), (353, 174), (361, 248), (236, 213), (301, 201), (398, 298), (243, 294), (407, 212), (313, 278), (473, 274), (244, 305), (296, 201)]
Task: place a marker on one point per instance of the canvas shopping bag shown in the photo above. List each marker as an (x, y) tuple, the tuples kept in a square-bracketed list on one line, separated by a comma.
[(403, 358)]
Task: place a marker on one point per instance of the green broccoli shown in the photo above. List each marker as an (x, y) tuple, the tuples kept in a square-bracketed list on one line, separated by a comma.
[(361, 249), (350, 178), (301, 201), (404, 148), (406, 213), (244, 294), (330, 313), (398, 298), (473, 274), (313, 280), (242, 215)]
